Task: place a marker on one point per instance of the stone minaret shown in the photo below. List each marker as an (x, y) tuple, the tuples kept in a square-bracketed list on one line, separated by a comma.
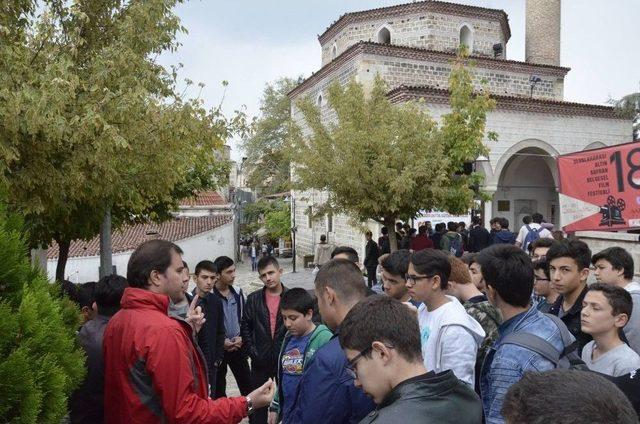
[(542, 39)]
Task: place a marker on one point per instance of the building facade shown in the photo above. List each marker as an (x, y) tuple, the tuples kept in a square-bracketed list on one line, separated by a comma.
[(411, 46)]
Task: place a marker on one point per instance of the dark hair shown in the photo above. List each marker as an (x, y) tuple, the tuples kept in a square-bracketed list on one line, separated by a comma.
[(619, 299), (206, 265), (384, 231), (412, 231), (87, 294), (509, 271), (542, 264), (70, 290), (184, 264), (344, 277), (223, 262), (432, 262), (541, 242), (266, 261), (462, 224), (297, 299), (152, 255), (368, 233), (537, 218), (526, 220), (619, 259), (109, 291), (504, 223), (574, 249), (475, 220), (568, 397), (399, 225), (494, 220), (452, 226), (383, 319), (397, 262), (422, 229), (351, 253), (440, 226), (323, 238), (469, 258)]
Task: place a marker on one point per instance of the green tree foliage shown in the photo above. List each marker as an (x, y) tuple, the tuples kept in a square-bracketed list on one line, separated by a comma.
[(629, 107), (89, 120), (383, 162), (267, 164), (40, 363), (274, 216)]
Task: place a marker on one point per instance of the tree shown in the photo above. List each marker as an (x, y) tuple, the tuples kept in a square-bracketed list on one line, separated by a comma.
[(629, 107), (268, 166), (384, 162), (40, 362), (90, 122), (278, 221)]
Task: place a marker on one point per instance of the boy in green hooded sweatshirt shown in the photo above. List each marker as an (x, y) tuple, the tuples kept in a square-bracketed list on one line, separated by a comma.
[(301, 342)]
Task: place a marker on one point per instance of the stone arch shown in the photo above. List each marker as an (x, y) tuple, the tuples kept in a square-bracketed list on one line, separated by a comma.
[(384, 35), (595, 145), (532, 143), (466, 35)]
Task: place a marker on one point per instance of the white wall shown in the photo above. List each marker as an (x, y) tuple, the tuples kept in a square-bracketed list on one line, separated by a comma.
[(208, 245)]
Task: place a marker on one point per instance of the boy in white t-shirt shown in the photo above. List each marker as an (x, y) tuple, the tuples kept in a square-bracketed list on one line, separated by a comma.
[(449, 336), (533, 222), (605, 311)]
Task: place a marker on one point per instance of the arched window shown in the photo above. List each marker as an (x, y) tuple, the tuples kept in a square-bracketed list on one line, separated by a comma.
[(319, 100), (466, 37), (384, 36), (334, 52)]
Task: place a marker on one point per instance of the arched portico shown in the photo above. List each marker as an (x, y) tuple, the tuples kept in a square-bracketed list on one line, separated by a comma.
[(526, 181)]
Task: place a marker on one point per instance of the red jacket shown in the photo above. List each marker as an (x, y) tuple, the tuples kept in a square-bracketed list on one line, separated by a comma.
[(421, 242), (154, 373)]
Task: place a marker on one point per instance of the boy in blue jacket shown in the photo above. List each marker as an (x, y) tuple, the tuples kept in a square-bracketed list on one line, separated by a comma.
[(300, 344), (326, 392)]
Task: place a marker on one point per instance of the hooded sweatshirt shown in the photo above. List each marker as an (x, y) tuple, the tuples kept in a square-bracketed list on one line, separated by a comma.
[(450, 339), (503, 237)]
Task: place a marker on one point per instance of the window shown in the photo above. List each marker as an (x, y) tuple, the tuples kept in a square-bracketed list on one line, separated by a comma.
[(466, 37), (319, 100), (504, 206), (334, 52), (384, 36)]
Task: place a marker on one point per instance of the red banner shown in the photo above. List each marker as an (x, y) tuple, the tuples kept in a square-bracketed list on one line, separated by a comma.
[(600, 188)]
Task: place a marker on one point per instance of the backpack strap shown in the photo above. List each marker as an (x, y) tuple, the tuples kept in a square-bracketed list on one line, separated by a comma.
[(534, 343), (570, 343)]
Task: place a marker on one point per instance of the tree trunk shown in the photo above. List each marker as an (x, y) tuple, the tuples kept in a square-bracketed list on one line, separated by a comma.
[(390, 223), (63, 255), (106, 264)]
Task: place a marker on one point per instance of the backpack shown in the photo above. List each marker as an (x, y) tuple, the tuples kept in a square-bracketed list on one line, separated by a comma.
[(455, 245), (567, 359), (532, 235)]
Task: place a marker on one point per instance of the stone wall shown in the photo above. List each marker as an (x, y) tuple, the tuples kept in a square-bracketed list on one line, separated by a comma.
[(432, 31)]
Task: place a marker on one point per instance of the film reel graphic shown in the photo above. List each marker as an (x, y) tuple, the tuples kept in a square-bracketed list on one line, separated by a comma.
[(612, 212)]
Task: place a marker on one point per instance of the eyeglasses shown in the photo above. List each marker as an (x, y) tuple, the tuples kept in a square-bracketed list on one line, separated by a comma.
[(351, 365), (412, 279)]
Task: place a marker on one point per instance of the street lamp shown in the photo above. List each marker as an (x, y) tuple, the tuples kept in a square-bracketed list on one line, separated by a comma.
[(294, 229)]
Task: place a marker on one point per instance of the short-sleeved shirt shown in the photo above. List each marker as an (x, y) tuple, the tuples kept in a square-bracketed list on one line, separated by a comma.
[(292, 361), (522, 234), (618, 361), (273, 303)]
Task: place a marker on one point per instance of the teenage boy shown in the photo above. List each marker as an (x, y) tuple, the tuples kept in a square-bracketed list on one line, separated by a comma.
[(540, 247), (326, 393), (606, 309), (301, 342), (263, 328), (394, 270), (212, 334), (569, 262), (531, 230), (380, 338), (615, 266), (451, 241), (509, 275), (546, 294), (479, 237), (475, 271), (371, 259), (566, 396), (501, 234), (235, 356), (449, 336), (477, 306), (422, 240)]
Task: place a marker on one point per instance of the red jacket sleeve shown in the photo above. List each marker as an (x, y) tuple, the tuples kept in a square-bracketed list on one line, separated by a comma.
[(170, 362)]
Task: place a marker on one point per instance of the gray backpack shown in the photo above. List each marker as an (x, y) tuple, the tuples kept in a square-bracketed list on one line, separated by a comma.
[(567, 359)]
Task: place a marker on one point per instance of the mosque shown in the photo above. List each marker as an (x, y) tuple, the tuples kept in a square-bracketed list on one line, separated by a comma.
[(411, 46)]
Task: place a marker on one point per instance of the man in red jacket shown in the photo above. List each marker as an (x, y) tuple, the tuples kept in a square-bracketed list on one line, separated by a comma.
[(154, 371)]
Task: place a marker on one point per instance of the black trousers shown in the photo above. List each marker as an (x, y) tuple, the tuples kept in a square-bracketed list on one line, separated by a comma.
[(371, 275), (259, 375), (239, 365)]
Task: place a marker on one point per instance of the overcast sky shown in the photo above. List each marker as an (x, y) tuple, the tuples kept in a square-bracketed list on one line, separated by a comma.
[(249, 43)]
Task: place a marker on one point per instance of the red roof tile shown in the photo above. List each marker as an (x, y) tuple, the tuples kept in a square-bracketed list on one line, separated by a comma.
[(131, 236), (205, 198)]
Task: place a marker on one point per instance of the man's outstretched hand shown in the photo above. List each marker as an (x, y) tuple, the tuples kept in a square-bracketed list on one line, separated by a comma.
[(263, 395)]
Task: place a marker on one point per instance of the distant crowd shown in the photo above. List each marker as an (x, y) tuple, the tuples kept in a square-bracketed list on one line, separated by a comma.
[(472, 326)]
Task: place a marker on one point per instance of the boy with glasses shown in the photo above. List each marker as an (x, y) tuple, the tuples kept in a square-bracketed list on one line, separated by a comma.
[(449, 336), (380, 338), (542, 289)]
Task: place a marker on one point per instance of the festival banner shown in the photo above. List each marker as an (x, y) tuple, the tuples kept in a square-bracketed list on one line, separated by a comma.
[(600, 188)]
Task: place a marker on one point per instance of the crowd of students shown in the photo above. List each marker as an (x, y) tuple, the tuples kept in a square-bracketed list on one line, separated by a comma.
[(512, 333)]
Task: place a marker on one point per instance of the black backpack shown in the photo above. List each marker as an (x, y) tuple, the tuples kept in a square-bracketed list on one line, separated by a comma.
[(567, 359)]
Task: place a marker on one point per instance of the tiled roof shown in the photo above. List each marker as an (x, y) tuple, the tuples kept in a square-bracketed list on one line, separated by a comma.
[(131, 236), (417, 53), (416, 7), (205, 198), (557, 107)]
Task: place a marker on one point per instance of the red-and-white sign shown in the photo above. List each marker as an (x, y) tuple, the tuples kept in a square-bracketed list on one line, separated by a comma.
[(600, 188)]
